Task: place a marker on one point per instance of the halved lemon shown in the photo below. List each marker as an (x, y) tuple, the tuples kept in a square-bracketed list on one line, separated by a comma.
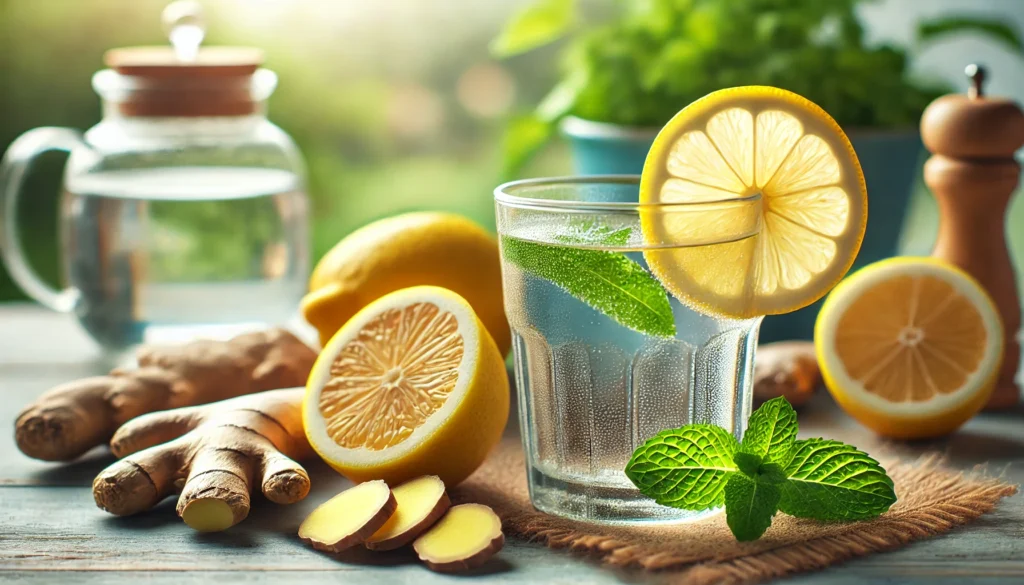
[(910, 347), (791, 203), (412, 385)]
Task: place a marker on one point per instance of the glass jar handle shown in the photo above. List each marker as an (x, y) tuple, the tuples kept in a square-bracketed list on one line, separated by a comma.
[(13, 169)]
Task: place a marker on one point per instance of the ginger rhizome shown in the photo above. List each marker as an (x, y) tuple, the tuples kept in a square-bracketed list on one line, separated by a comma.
[(421, 502), (213, 454), (786, 368), (72, 418), (349, 518), (465, 537)]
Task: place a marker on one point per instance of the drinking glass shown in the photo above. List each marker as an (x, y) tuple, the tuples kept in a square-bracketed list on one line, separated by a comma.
[(593, 381)]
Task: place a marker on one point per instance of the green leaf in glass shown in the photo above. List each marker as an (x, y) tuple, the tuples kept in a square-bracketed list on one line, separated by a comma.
[(686, 467), (607, 281), (750, 505), (591, 231), (831, 481)]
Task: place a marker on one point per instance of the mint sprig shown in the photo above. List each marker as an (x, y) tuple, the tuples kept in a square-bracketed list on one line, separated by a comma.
[(699, 467)]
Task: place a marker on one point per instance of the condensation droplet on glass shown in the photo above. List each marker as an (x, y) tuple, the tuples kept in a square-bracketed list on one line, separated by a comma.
[(185, 27)]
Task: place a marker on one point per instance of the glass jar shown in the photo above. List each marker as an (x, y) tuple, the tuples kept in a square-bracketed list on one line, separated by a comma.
[(184, 210)]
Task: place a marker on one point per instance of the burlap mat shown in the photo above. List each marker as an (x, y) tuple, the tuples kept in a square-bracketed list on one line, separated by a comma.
[(932, 500)]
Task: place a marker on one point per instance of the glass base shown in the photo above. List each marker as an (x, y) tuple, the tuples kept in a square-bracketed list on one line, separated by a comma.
[(604, 504)]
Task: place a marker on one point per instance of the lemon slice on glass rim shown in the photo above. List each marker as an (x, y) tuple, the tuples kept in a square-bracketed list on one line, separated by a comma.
[(741, 143)]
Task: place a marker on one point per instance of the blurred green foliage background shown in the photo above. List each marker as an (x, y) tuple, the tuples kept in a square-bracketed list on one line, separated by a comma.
[(396, 104)]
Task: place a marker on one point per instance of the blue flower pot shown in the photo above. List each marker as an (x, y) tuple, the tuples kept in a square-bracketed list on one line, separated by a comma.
[(890, 160)]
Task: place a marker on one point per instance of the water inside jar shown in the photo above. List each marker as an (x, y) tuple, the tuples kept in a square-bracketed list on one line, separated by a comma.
[(165, 254)]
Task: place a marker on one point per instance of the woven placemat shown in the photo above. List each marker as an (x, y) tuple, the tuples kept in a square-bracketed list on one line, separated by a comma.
[(932, 500)]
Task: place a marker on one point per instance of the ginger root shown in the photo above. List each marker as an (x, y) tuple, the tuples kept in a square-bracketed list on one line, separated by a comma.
[(786, 368), (421, 502), (72, 418), (464, 538), (349, 518), (212, 454)]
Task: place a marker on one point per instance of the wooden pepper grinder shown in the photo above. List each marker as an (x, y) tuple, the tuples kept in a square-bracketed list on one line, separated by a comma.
[(972, 174)]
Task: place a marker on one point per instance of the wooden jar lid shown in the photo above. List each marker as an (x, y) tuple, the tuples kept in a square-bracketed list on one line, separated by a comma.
[(217, 82), (162, 61), (973, 125)]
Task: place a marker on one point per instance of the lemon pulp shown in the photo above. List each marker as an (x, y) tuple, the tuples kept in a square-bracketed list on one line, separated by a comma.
[(402, 365), (910, 347), (803, 187)]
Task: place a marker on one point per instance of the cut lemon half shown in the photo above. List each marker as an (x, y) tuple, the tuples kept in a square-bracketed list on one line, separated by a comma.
[(772, 160), (412, 385), (910, 347)]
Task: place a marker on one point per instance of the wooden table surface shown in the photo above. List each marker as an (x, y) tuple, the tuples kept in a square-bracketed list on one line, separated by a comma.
[(51, 531)]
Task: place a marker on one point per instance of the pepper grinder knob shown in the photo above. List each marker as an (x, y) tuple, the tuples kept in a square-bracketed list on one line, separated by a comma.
[(976, 73), (972, 173)]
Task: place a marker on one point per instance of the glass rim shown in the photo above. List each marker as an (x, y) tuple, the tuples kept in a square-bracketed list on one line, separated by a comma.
[(504, 194)]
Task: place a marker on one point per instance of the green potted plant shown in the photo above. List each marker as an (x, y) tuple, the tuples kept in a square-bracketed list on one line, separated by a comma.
[(627, 73)]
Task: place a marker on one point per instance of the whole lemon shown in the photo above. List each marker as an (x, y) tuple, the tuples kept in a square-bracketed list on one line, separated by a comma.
[(411, 249)]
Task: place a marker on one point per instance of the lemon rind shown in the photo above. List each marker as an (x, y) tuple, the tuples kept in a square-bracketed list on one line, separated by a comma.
[(313, 420), (755, 99)]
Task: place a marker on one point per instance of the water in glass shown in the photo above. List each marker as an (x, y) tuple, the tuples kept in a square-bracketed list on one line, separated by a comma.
[(590, 389)]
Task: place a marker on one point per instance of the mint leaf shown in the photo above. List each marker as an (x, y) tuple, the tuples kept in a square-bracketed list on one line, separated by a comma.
[(591, 231), (830, 481), (771, 432), (749, 506), (771, 472), (756, 468), (748, 463), (607, 281), (685, 468)]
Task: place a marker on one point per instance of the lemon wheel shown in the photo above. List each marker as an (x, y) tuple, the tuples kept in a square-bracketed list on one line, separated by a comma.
[(808, 203), (412, 385), (910, 347)]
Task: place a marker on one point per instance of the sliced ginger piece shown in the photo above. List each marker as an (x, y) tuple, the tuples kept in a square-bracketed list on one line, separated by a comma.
[(464, 538), (349, 518), (421, 502)]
